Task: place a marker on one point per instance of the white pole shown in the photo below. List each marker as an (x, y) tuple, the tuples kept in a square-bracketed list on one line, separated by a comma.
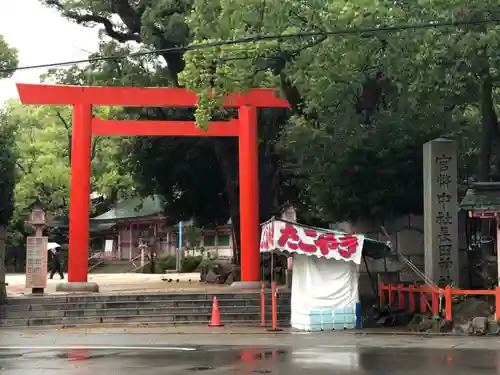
[(179, 250), (131, 241), (119, 255)]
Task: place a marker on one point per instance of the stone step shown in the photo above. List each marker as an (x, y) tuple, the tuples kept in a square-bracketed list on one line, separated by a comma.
[(136, 297), (138, 304), (161, 308), (194, 318), (113, 266), (149, 323), (136, 311)]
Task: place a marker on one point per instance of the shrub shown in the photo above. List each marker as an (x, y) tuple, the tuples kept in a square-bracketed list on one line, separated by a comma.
[(191, 263), (165, 262), (168, 262)]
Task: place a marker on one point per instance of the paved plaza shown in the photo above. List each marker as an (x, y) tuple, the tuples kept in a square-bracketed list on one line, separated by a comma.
[(124, 283)]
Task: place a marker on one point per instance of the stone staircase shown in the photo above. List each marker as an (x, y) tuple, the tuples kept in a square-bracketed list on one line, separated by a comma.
[(112, 266), (139, 309)]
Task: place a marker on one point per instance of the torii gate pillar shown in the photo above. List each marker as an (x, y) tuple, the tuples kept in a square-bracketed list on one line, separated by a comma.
[(79, 196), (85, 126), (249, 195)]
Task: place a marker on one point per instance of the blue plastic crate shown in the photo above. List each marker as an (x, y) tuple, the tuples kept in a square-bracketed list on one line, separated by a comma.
[(315, 320), (327, 320), (344, 318)]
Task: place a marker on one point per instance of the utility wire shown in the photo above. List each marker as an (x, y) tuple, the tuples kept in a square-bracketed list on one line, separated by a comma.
[(260, 38)]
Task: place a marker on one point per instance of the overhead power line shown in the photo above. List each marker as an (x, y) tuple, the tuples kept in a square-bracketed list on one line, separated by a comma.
[(260, 38)]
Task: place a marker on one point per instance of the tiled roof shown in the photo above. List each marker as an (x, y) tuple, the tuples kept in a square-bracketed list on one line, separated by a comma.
[(134, 208), (94, 227), (482, 196)]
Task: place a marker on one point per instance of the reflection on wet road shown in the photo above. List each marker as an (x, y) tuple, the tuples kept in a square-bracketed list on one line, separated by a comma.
[(220, 360)]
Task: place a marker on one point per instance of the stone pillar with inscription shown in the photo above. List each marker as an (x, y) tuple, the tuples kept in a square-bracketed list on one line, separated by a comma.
[(441, 212)]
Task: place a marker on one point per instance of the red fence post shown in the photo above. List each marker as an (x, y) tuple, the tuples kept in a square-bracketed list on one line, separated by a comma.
[(423, 301), (497, 303), (381, 295), (448, 294), (274, 304), (401, 296), (435, 301), (262, 305), (391, 294), (411, 296)]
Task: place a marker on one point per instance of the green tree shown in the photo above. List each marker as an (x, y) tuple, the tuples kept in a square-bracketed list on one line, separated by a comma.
[(8, 58), (8, 158), (43, 139), (341, 88), (362, 104), (355, 96), (151, 23), (213, 195)]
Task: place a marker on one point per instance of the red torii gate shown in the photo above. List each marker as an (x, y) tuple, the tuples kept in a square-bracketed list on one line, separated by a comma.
[(85, 125)]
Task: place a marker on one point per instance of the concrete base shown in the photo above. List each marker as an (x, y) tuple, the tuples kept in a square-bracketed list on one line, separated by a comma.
[(78, 287), (3, 293), (37, 291), (246, 285)]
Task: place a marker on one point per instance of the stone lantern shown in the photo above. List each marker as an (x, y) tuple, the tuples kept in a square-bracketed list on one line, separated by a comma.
[(37, 219), (36, 251)]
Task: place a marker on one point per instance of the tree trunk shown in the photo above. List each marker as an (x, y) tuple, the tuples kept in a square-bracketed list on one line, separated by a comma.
[(3, 291), (489, 125), (231, 187), (488, 128)]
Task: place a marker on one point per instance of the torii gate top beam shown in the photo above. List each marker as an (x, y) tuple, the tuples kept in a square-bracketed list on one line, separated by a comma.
[(138, 96)]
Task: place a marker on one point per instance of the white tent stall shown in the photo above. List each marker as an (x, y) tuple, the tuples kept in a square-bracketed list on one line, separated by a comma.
[(325, 273)]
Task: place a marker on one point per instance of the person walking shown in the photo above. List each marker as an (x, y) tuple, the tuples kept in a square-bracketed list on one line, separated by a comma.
[(56, 263), (153, 262)]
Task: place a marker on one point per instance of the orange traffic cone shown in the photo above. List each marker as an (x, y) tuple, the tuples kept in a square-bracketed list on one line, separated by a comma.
[(215, 320)]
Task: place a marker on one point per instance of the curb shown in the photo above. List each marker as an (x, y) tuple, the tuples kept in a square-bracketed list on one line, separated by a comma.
[(141, 331), (417, 334), (154, 329), (263, 333)]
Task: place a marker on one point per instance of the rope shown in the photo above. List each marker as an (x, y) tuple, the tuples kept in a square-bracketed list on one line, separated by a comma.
[(427, 280)]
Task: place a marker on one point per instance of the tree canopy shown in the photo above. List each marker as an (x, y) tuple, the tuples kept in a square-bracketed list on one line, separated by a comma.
[(362, 103), (43, 140)]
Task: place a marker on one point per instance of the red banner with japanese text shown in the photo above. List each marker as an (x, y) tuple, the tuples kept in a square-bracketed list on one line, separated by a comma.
[(294, 238)]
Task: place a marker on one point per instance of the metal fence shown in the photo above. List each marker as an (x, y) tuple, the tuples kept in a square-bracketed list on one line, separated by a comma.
[(401, 296)]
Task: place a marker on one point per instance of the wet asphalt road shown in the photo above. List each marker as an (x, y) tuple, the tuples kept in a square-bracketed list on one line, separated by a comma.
[(247, 360)]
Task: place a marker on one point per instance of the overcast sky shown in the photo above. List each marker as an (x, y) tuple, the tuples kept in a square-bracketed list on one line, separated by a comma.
[(41, 36)]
